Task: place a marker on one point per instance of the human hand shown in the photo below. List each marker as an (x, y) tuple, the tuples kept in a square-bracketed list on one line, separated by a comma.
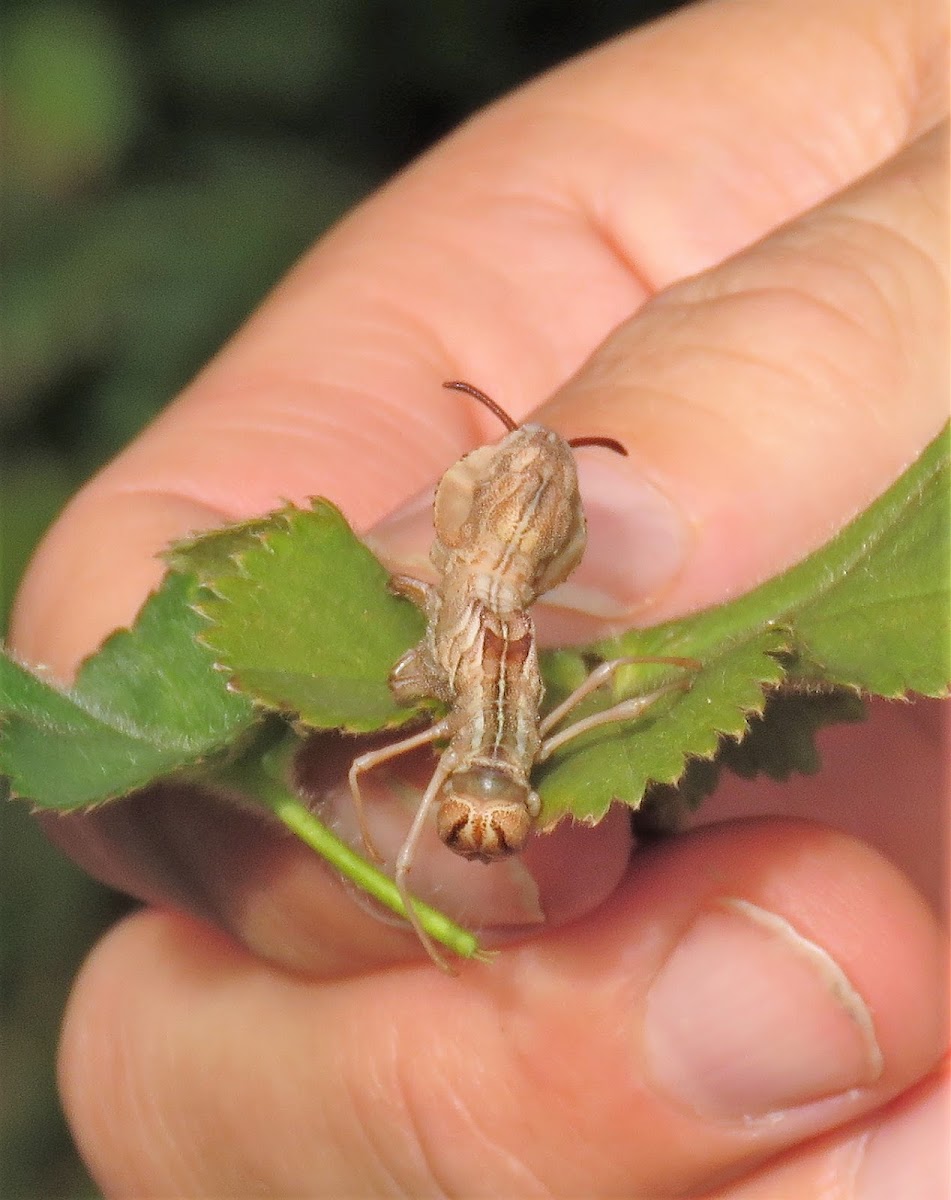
[(763, 402)]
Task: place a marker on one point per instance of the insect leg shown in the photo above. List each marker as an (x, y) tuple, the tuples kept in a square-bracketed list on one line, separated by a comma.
[(411, 588), (599, 676), (373, 758), (404, 860), (627, 710)]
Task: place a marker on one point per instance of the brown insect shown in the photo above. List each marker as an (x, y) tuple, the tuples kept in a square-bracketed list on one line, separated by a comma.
[(509, 527)]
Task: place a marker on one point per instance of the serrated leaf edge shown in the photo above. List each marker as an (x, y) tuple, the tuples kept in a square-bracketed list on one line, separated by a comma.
[(281, 522), (711, 733)]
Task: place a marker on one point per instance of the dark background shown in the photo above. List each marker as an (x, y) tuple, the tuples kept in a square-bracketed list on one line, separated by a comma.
[(165, 161)]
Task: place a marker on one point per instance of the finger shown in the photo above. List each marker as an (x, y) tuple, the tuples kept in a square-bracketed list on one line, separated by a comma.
[(751, 988), (885, 781), (901, 1151), (506, 256), (766, 401), (198, 852)]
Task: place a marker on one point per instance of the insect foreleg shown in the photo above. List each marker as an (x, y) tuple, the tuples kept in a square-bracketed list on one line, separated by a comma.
[(600, 675), (413, 589), (373, 758)]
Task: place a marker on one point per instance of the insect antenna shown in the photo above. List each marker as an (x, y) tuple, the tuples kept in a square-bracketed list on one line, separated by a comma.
[(608, 443), (459, 385)]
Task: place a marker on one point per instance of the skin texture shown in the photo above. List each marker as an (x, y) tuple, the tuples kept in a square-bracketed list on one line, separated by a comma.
[(726, 231)]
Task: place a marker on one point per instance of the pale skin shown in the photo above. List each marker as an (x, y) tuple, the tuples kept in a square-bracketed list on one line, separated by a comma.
[(767, 399)]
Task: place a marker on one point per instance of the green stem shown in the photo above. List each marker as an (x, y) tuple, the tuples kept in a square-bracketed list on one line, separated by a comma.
[(253, 780)]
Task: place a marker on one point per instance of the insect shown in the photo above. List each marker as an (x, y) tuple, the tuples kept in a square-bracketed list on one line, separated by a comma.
[(509, 527)]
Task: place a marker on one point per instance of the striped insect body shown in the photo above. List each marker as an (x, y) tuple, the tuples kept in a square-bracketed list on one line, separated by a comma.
[(509, 527)]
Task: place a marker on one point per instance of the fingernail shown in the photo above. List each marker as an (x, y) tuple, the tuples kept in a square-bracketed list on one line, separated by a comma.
[(402, 540), (637, 540), (748, 1017)]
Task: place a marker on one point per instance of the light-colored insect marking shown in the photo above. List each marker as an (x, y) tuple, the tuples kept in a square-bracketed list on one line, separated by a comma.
[(509, 527)]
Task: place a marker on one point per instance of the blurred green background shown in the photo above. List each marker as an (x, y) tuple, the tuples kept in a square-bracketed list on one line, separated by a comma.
[(165, 161)]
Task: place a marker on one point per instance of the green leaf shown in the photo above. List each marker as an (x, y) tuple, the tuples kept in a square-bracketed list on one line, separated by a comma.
[(779, 742), (867, 611), (840, 618), (147, 704), (618, 761), (209, 555), (296, 611), (300, 617)]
